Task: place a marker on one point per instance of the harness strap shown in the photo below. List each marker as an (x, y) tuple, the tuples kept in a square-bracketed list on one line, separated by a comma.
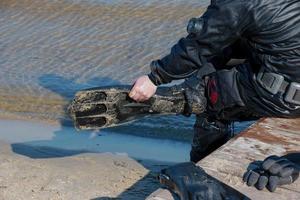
[(275, 83)]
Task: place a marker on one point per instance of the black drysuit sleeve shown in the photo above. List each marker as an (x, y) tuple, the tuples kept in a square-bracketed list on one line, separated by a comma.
[(223, 23)]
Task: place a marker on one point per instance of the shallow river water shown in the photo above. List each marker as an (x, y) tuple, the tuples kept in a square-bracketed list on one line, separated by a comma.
[(51, 49)]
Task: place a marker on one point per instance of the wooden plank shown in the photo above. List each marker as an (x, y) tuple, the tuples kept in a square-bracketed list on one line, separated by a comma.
[(270, 136)]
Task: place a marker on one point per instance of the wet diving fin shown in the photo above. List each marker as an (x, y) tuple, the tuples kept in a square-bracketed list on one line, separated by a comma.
[(103, 107)]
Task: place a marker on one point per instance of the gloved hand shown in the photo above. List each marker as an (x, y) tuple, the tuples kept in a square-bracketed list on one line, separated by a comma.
[(274, 171)]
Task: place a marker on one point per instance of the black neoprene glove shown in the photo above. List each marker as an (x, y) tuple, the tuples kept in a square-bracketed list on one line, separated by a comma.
[(274, 171)]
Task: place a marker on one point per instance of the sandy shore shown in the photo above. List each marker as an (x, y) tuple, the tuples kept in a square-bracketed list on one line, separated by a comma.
[(78, 177), (43, 161)]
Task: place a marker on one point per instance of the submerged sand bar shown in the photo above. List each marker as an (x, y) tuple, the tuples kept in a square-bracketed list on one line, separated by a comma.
[(51, 49)]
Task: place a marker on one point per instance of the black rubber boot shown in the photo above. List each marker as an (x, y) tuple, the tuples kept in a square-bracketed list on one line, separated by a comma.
[(208, 136), (190, 182)]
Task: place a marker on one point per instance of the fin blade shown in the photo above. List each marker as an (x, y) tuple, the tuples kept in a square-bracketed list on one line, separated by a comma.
[(103, 107)]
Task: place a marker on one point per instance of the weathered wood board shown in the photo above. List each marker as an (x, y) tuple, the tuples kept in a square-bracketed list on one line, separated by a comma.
[(228, 164)]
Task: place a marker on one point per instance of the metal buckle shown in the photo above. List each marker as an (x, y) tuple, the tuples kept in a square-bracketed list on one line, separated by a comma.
[(290, 96), (195, 26), (270, 81)]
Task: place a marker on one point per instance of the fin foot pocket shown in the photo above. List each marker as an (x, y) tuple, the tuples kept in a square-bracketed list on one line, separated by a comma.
[(91, 110), (91, 122)]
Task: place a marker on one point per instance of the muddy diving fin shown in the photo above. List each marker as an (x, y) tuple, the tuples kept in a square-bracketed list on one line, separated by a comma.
[(103, 107)]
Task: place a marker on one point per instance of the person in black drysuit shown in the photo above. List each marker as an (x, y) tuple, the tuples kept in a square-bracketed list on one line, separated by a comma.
[(266, 34)]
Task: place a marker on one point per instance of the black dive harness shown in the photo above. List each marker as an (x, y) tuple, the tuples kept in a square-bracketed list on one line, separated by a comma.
[(275, 83)]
